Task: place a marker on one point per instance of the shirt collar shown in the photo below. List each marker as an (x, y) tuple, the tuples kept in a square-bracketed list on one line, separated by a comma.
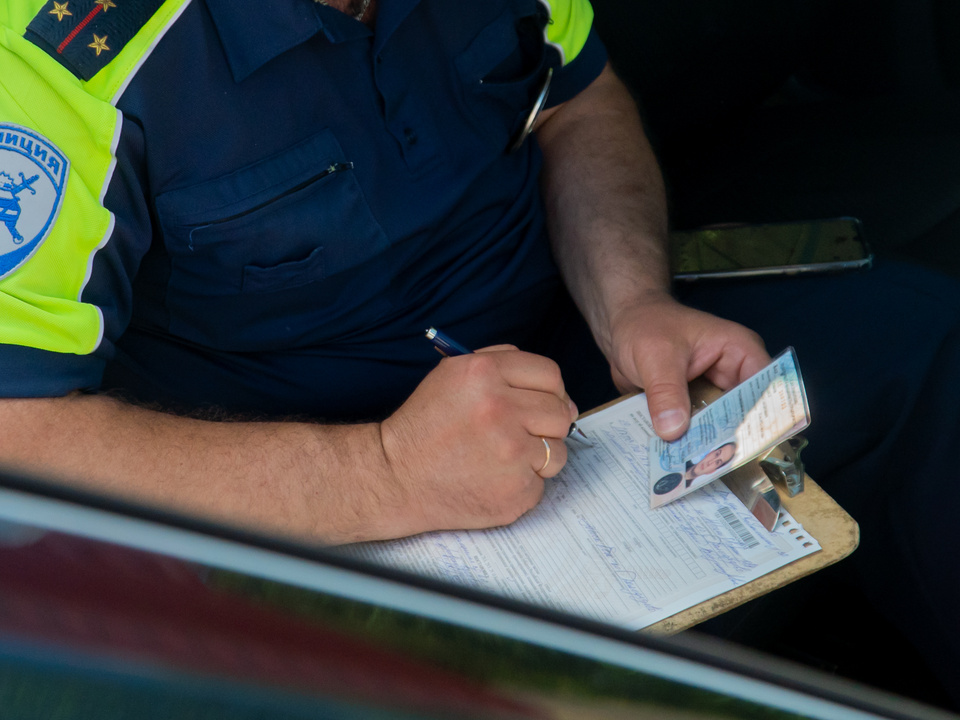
[(253, 32)]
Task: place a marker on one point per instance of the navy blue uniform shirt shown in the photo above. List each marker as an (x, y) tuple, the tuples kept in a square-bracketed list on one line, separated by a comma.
[(298, 196)]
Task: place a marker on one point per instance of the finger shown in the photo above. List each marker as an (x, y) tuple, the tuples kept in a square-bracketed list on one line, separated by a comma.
[(527, 371), (664, 377), (542, 413), (498, 348), (550, 455), (737, 361), (756, 359), (623, 384)]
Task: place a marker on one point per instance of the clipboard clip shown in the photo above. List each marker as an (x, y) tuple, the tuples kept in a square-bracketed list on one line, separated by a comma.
[(784, 466), (757, 483), (754, 489)]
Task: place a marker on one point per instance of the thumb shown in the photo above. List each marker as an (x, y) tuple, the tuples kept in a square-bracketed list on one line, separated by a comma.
[(497, 348), (665, 384)]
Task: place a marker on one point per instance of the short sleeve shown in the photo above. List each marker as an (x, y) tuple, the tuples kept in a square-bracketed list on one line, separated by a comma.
[(570, 34), (73, 224)]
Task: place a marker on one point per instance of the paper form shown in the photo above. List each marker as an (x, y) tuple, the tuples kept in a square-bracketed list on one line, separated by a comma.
[(594, 547)]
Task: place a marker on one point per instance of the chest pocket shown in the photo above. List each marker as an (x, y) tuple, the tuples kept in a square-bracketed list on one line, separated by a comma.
[(285, 222), (503, 68)]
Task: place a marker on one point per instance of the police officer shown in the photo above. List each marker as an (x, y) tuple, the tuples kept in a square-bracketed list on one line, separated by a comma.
[(262, 216), (255, 209)]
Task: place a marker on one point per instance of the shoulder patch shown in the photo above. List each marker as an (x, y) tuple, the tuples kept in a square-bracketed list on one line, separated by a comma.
[(85, 35), (33, 177)]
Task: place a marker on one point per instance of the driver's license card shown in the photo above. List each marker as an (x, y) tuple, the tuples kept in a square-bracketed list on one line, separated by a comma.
[(743, 423)]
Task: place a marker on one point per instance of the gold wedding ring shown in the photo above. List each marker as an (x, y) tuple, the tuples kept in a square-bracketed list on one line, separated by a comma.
[(547, 461)]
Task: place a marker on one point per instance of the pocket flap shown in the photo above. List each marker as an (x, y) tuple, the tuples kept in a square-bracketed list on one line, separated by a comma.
[(248, 187), (284, 276), (494, 43)]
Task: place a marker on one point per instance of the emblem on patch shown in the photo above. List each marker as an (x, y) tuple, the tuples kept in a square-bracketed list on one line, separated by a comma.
[(33, 177)]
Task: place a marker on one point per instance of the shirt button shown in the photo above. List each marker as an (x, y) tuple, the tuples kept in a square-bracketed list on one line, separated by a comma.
[(410, 135)]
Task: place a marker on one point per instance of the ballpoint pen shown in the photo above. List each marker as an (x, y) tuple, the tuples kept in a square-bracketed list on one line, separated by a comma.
[(449, 347)]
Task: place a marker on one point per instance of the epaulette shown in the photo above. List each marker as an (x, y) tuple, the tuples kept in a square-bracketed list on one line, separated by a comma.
[(85, 35)]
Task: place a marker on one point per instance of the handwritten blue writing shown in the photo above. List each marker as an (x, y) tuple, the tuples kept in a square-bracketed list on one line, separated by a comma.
[(626, 578)]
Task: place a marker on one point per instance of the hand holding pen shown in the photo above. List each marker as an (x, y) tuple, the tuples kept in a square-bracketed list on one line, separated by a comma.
[(473, 443), (449, 347)]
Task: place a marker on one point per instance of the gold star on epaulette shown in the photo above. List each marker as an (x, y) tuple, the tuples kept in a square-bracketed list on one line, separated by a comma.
[(60, 10), (107, 4), (99, 43)]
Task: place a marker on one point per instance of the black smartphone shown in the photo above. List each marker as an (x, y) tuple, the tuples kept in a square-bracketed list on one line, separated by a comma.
[(732, 251)]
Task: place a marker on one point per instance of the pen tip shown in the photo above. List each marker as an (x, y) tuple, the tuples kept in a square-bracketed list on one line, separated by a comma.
[(579, 435)]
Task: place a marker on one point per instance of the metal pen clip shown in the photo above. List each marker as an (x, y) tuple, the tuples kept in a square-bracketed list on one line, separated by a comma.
[(517, 140)]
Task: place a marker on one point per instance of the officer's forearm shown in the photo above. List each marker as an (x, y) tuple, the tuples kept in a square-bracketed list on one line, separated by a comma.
[(605, 200), (314, 482)]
